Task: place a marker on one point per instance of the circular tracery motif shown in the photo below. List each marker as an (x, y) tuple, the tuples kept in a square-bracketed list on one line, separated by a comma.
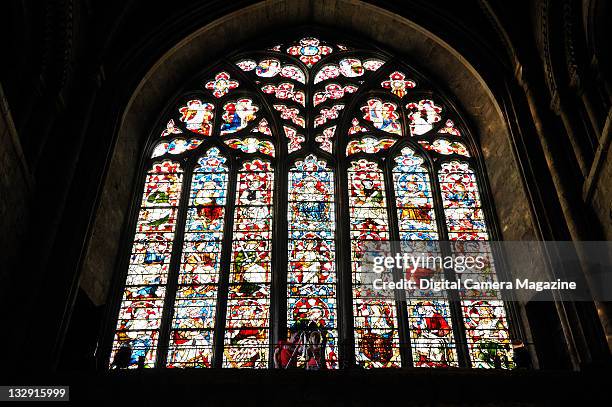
[(332, 72)]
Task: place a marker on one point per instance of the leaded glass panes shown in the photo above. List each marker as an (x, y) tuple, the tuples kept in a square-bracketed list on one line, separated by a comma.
[(429, 319), (414, 198), (375, 321), (191, 338), (248, 305), (445, 147), (197, 116), (237, 115), (221, 85), (298, 133), (142, 303), (383, 115), (368, 145), (422, 116), (484, 315), (461, 200), (311, 276)]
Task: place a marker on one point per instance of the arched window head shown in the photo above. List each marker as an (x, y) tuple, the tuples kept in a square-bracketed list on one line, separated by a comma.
[(267, 180)]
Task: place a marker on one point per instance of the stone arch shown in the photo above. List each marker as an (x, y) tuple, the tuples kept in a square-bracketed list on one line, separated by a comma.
[(397, 34)]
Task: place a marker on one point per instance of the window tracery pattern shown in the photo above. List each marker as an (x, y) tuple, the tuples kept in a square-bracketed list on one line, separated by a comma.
[(287, 136)]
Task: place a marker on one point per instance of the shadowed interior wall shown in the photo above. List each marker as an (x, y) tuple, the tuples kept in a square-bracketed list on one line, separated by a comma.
[(15, 184)]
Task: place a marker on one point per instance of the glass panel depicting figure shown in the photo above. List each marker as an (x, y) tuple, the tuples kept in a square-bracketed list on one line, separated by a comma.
[(311, 279), (141, 307), (191, 337), (484, 314), (414, 199), (248, 304), (429, 318), (374, 315)]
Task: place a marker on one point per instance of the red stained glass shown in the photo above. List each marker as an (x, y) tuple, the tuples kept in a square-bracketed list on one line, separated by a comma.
[(398, 84), (221, 85), (291, 114), (445, 147), (327, 114), (356, 127), (376, 333), (332, 91), (237, 115), (285, 91), (383, 115), (171, 128), (449, 128), (325, 140), (242, 128), (368, 145), (144, 293), (327, 72), (311, 291), (196, 297), (252, 145), (309, 51), (295, 139)]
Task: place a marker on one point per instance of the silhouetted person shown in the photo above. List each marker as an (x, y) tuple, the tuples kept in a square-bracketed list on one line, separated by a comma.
[(522, 359), (123, 357), (141, 362)]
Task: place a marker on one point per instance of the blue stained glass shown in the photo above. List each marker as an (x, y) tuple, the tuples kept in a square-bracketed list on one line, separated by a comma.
[(485, 319)]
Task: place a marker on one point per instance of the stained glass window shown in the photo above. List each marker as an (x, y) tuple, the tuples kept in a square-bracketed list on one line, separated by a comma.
[(267, 178), (429, 318), (414, 198)]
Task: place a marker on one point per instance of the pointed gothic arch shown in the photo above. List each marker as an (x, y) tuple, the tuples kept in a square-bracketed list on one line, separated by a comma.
[(349, 113)]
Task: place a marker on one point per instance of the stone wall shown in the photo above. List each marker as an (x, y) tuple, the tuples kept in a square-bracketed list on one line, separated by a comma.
[(600, 198), (15, 185)]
